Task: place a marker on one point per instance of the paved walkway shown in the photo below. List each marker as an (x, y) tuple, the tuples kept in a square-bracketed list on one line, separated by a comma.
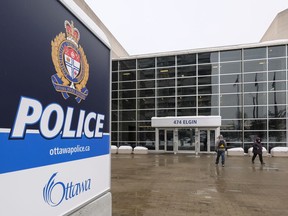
[(184, 185)]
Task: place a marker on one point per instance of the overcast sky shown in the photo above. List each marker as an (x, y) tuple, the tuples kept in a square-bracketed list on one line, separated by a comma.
[(151, 26)]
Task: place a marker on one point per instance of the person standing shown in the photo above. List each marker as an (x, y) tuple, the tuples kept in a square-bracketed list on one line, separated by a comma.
[(221, 147), (257, 150)]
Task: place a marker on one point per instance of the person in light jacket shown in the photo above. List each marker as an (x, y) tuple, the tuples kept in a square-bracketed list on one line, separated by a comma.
[(221, 147)]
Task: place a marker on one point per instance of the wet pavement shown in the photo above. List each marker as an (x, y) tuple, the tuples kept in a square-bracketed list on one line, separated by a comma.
[(186, 184)]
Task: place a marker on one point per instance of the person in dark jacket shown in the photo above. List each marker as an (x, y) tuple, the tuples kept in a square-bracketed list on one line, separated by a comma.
[(257, 150), (221, 147)]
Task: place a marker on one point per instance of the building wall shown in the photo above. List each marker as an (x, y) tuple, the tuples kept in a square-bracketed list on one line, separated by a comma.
[(246, 85)]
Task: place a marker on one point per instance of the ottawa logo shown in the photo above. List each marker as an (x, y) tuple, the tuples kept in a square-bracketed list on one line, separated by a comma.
[(70, 63)]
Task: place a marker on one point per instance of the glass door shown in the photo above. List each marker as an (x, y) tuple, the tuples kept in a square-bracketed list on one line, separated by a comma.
[(207, 140), (169, 140), (186, 139)]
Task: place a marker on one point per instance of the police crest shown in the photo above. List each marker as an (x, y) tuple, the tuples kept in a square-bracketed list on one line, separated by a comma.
[(70, 63)]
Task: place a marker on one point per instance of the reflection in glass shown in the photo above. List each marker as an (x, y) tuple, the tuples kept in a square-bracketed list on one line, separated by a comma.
[(231, 67), (277, 136), (114, 65), (186, 59), (276, 75), (206, 70), (277, 97), (233, 79), (186, 112), (166, 83), (207, 111), (204, 80), (166, 92), (277, 111), (145, 126), (127, 115), (207, 89), (233, 124), (127, 138), (186, 139), (127, 85), (146, 93), (145, 114), (127, 94), (186, 81), (114, 104), (114, 86), (235, 88), (254, 124), (255, 87), (127, 64), (114, 115), (165, 61), (186, 91), (127, 75), (230, 100), (186, 71), (166, 73), (255, 99), (127, 126), (277, 124), (146, 84), (204, 100), (231, 55), (250, 136), (255, 112), (276, 51), (255, 77), (255, 53), (146, 74), (114, 77), (147, 139), (277, 64), (258, 65), (186, 101), (146, 103), (166, 102), (146, 63), (207, 57), (127, 104), (165, 112), (231, 112)]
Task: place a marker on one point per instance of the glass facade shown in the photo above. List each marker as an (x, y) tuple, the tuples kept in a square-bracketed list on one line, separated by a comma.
[(247, 87)]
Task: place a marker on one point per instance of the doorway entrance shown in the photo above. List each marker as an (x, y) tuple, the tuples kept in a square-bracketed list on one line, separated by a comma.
[(187, 140)]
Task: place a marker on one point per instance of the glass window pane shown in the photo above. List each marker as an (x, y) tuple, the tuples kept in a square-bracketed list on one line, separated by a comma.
[(255, 112), (207, 70), (277, 136), (114, 65), (145, 126), (165, 112), (230, 99), (146, 84), (207, 57), (204, 100), (277, 111), (127, 94), (146, 74), (277, 124), (277, 64), (255, 53), (114, 94), (166, 73), (127, 85), (114, 77), (114, 104), (276, 51), (186, 71), (168, 102), (205, 80), (186, 101), (277, 75), (255, 77), (233, 79), (146, 93), (114, 86), (186, 112), (258, 65), (146, 103), (231, 124), (146, 63), (165, 61), (255, 124), (127, 138), (231, 55), (207, 111), (186, 81), (250, 136), (145, 114), (166, 83), (231, 67), (127, 126), (255, 87), (186, 59), (277, 97), (186, 91), (276, 86), (127, 115), (235, 88), (127, 64), (114, 115), (255, 99), (127, 104), (166, 92), (202, 90), (128, 75)]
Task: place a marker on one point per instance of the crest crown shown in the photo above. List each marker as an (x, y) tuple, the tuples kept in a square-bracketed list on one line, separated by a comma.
[(72, 32)]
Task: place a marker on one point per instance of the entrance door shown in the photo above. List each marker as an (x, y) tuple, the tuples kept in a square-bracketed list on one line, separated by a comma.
[(207, 140), (166, 140), (186, 139)]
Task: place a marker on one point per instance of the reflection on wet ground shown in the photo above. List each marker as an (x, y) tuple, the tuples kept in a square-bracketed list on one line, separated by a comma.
[(183, 184)]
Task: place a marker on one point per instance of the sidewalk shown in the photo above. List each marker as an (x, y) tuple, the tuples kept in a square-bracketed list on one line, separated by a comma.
[(188, 185)]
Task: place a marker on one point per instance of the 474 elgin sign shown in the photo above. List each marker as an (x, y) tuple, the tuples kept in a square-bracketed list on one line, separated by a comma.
[(70, 63)]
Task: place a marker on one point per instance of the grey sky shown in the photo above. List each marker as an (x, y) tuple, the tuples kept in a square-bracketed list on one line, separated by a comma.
[(152, 26)]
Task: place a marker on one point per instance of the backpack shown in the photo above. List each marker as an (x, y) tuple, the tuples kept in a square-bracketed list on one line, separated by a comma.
[(221, 144)]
